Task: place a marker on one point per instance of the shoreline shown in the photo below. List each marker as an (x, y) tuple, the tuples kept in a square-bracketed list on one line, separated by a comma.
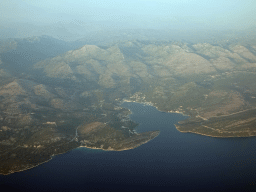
[(152, 104), (145, 104), (30, 167), (198, 133), (25, 169), (126, 149), (94, 148)]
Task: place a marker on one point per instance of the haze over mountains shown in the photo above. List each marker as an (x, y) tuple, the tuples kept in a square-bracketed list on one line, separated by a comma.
[(66, 68), (126, 20)]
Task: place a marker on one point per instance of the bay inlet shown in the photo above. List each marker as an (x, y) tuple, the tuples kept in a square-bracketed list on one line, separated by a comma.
[(173, 161)]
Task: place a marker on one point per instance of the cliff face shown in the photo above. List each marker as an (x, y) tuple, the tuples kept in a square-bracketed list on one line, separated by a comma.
[(51, 102)]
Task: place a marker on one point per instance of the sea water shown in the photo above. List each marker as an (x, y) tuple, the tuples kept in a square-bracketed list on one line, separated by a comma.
[(173, 161)]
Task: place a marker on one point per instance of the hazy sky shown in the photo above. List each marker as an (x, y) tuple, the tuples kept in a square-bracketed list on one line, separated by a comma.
[(154, 14)]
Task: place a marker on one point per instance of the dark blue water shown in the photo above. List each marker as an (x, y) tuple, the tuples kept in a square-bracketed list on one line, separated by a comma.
[(173, 161)]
